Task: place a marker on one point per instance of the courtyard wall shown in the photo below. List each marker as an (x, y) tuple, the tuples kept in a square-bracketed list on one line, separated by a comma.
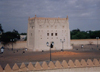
[(16, 45), (84, 41), (23, 44)]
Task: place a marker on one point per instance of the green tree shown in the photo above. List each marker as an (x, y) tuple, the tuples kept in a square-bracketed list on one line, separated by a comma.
[(1, 28), (9, 37), (23, 33), (73, 33), (94, 34), (1, 31), (77, 34)]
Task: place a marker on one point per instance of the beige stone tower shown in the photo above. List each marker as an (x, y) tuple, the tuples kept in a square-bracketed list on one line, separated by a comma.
[(42, 30)]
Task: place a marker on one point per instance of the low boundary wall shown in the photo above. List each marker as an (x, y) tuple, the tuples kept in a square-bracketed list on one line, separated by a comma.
[(16, 45), (23, 44), (85, 41)]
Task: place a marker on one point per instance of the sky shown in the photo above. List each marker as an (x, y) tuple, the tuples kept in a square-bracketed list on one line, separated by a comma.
[(83, 14)]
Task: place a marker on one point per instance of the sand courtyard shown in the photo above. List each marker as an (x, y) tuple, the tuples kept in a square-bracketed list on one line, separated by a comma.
[(20, 55)]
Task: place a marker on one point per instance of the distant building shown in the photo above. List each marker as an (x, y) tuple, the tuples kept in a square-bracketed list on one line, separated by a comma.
[(42, 30), (22, 37)]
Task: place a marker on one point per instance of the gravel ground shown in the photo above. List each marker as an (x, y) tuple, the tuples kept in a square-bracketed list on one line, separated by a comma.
[(20, 55)]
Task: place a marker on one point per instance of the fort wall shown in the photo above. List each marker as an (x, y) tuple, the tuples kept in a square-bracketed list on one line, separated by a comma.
[(64, 66), (84, 41), (23, 44), (16, 45)]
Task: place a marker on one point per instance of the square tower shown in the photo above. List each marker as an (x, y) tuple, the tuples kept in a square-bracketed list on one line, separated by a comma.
[(42, 30)]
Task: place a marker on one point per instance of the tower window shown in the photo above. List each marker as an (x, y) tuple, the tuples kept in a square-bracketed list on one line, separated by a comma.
[(51, 34), (55, 34), (32, 27), (40, 26), (47, 34), (63, 26)]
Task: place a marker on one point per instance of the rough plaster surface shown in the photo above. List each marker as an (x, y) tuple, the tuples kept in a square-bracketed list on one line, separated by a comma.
[(42, 30), (88, 69)]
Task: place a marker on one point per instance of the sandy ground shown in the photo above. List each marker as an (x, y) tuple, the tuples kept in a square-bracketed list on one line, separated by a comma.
[(17, 56)]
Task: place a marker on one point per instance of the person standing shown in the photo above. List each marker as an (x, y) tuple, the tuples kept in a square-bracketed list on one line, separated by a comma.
[(2, 49)]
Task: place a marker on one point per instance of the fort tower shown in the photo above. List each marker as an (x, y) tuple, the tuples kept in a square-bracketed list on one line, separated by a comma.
[(42, 30)]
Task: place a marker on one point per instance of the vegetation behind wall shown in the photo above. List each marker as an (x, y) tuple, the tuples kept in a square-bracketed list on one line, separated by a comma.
[(77, 34)]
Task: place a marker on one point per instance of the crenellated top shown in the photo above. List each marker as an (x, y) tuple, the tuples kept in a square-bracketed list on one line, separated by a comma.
[(43, 18), (52, 65)]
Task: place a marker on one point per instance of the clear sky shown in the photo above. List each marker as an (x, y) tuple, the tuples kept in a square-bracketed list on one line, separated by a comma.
[(83, 14)]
